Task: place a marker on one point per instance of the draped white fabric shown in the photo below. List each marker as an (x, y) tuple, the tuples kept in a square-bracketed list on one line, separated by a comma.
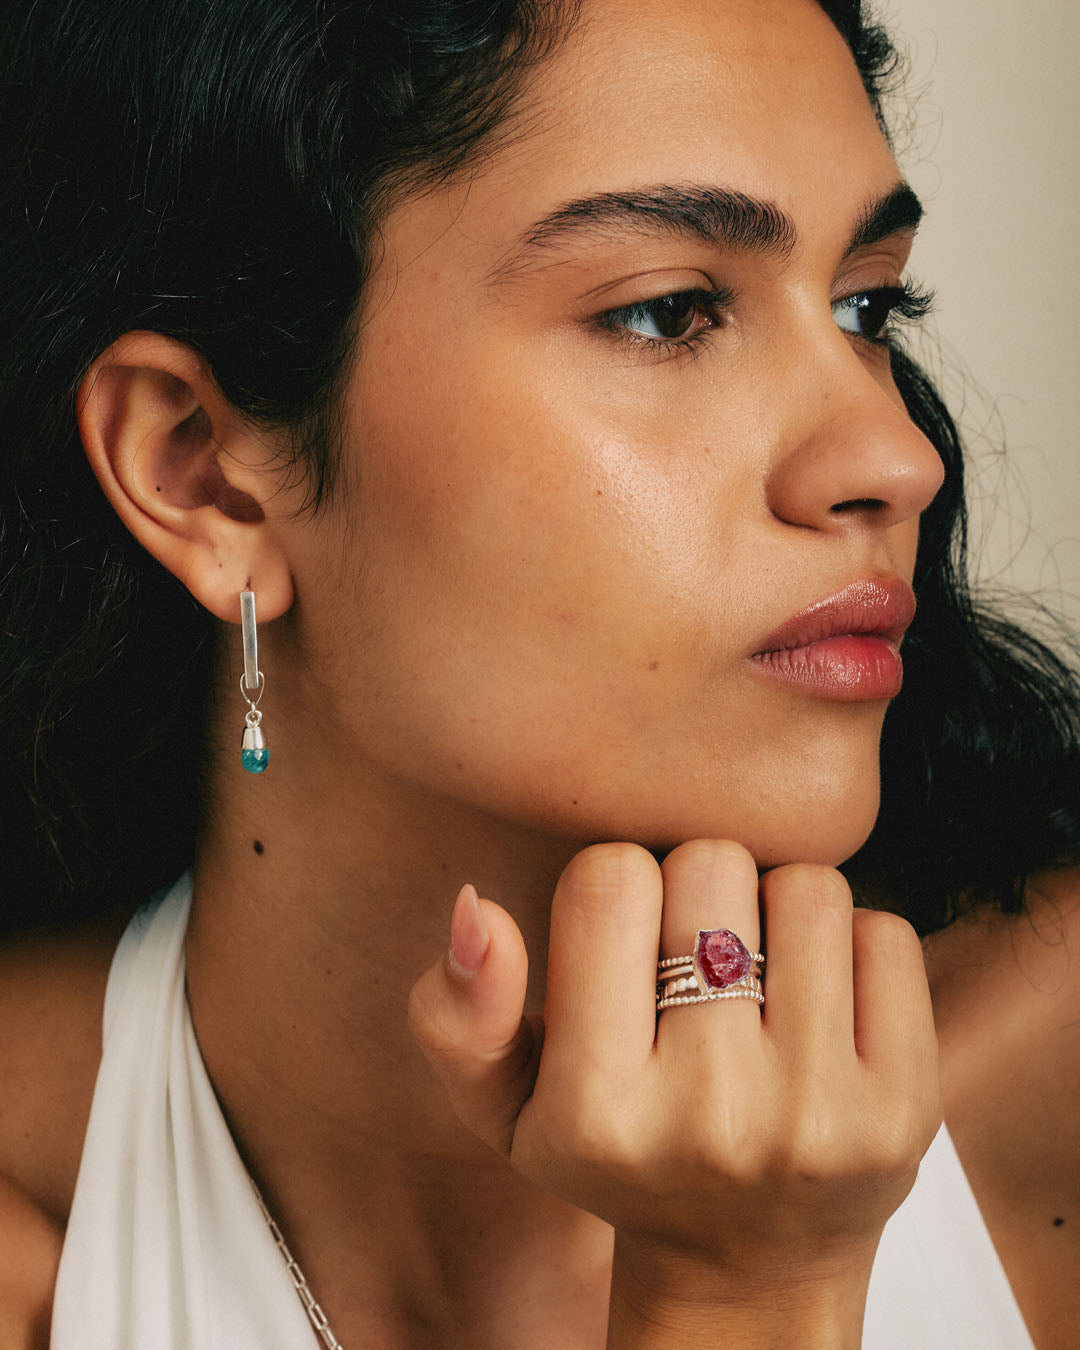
[(166, 1248), (937, 1282)]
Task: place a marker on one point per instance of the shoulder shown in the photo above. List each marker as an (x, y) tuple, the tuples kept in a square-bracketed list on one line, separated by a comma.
[(52, 993), (1007, 1000), (1017, 975), (1044, 994), (1007, 997)]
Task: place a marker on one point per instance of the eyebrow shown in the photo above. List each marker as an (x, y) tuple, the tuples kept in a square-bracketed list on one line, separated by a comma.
[(714, 215), (899, 209)]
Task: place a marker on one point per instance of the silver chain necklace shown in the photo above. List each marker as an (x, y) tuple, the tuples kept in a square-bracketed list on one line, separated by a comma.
[(316, 1316)]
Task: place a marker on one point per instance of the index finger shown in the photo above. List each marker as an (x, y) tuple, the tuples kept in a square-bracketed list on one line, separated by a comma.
[(600, 1011)]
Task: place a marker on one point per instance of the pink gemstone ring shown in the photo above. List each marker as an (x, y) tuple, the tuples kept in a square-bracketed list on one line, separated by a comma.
[(719, 967)]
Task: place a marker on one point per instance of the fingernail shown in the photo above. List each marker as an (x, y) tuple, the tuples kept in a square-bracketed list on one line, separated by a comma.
[(468, 933)]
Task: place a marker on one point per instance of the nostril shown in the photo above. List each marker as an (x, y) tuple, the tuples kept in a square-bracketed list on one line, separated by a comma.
[(858, 504)]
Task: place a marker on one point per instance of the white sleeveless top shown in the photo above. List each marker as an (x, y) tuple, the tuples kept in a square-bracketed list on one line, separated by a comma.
[(166, 1248)]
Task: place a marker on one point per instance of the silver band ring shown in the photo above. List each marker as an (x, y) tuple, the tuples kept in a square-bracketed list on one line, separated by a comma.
[(682, 1000), (689, 984)]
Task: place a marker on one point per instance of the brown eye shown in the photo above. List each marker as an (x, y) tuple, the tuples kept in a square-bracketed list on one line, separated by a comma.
[(672, 315), (669, 318), (868, 314)]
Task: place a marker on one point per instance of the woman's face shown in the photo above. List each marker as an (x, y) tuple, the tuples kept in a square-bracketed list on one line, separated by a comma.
[(574, 511)]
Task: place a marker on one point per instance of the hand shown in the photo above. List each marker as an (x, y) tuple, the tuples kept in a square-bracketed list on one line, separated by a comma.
[(747, 1159)]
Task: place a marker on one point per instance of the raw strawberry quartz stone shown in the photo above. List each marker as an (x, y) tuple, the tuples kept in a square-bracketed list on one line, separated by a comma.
[(720, 958)]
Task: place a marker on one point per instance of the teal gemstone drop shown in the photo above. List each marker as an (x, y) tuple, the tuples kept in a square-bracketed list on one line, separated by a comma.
[(255, 761)]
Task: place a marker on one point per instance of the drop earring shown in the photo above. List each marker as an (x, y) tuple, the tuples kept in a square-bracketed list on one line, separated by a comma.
[(254, 752)]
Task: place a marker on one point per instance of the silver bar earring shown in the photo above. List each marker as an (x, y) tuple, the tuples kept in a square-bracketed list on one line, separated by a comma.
[(254, 752)]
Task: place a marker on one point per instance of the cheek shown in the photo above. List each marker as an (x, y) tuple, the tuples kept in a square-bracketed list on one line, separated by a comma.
[(520, 511), (522, 564)]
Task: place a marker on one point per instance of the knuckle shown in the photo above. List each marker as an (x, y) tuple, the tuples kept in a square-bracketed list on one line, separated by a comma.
[(887, 935), (839, 1136), (728, 1145), (816, 878), (586, 1129), (711, 852), (430, 1028), (915, 1112), (713, 865), (602, 871), (420, 1012), (896, 1140), (809, 887), (818, 1146)]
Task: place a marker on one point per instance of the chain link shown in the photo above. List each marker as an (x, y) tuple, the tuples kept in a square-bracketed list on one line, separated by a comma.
[(315, 1314)]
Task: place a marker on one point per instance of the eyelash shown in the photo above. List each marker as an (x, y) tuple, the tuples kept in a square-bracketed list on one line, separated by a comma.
[(907, 303), (713, 303)]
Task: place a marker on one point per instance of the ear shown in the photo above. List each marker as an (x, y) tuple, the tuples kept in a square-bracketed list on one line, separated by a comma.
[(184, 472)]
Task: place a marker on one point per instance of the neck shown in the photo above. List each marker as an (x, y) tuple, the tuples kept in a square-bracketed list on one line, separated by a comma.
[(315, 911)]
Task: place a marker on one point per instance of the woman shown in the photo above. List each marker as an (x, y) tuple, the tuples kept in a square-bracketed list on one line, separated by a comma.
[(531, 372)]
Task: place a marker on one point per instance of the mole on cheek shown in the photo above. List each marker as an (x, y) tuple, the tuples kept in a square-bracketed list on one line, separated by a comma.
[(258, 846)]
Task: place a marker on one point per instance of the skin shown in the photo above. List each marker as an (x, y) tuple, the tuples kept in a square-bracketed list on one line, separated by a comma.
[(522, 625), (1011, 983)]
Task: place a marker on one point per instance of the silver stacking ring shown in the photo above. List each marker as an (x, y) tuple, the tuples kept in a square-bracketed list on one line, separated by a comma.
[(720, 967)]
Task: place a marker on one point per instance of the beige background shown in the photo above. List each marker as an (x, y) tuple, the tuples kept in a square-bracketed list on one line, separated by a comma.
[(986, 133)]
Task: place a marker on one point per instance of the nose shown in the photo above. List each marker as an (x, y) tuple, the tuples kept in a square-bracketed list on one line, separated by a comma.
[(851, 457)]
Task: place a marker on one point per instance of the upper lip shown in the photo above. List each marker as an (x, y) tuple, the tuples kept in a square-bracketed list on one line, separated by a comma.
[(871, 607)]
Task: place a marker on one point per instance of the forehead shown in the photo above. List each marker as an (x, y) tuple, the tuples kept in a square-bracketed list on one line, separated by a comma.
[(759, 96)]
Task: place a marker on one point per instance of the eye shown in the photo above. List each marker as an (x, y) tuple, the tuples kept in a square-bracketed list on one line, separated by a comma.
[(669, 319), (866, 314)]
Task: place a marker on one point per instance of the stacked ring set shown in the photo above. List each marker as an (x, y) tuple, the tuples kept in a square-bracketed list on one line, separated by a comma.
[(720, 967)]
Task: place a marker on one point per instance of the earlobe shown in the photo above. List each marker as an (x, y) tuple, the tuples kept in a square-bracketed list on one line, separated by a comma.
[(184, 472)]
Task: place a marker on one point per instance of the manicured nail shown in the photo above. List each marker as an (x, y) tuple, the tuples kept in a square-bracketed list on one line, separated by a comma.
[(468, 933)]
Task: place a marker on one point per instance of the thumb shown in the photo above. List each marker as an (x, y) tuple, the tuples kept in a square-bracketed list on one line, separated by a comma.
[(466, 1014)]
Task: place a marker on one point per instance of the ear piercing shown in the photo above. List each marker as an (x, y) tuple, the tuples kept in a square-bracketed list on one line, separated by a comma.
[(254, 752)]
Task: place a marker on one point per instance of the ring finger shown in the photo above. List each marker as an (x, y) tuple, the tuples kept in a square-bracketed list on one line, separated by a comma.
[(709, 884)]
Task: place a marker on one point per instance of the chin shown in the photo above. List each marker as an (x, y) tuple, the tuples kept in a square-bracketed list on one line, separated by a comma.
[(825, 820), (827, 852), (829, 838), (791, 834), (819, 804)]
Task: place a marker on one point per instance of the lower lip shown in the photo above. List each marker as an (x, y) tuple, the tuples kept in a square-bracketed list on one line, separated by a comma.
[(850, 668)]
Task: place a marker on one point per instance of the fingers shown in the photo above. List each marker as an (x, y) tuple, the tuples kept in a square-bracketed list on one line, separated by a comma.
[(847, 1008), (601, 986), (750, 1142), (848, 1013), (708, 883), (466, 1014), (809, 984), (466, 1011), (894, 1017)]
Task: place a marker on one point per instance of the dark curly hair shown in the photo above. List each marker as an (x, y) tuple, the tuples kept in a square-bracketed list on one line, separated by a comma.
[(215, 170)]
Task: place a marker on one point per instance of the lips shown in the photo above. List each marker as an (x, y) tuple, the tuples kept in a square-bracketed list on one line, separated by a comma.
[(845, 646)]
